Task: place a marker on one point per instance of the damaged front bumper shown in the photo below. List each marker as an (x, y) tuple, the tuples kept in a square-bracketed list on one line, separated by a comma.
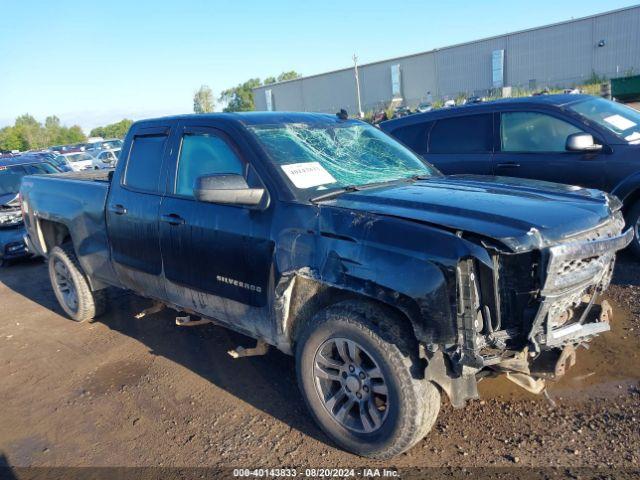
[(559, 315), (576, 274)]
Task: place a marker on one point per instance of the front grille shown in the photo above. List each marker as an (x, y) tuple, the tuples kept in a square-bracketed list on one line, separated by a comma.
[(576, 272), (581, 259)]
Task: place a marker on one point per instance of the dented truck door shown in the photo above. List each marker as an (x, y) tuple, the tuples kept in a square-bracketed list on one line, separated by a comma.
[(216, 257)]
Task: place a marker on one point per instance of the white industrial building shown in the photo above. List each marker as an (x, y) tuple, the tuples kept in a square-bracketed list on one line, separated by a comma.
[(559, 55)]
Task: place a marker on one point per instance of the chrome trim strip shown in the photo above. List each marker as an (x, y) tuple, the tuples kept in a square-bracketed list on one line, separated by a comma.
[(579, 250)]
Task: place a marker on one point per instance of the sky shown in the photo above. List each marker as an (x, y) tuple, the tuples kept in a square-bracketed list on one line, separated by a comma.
[(93, 63)]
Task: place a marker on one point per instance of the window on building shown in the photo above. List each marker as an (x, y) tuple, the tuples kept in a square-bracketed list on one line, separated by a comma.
[(204, 154), (268, 98), (468, 134), (143, 167), (534, 132), (497, 68), (396, 81)]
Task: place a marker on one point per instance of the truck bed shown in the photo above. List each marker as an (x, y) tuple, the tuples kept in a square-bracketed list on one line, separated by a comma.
[(76, 201), (89, 175)]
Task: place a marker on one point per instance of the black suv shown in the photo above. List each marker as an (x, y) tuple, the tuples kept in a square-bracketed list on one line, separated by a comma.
[(573, 139)]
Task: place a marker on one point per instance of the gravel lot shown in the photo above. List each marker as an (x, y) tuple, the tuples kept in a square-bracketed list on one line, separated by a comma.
[(127, 392)]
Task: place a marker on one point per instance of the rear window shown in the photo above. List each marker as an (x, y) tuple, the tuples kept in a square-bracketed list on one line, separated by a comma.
[(143, 167), (468, 134)]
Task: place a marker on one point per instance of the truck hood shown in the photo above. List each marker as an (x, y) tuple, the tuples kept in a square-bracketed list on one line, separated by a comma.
[(520, 213)]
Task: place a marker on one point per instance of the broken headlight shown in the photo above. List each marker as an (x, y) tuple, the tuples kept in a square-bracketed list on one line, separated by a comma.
[(10, 218)]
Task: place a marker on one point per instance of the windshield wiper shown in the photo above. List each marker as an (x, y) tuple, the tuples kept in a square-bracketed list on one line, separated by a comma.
[(350, 188), (334, 193)]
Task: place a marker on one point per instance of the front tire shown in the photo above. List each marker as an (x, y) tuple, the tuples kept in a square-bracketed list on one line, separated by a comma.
[(357, 371), (633, 220), (71, 286)]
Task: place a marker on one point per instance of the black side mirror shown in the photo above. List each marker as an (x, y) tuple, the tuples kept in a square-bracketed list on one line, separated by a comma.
[(581, 142), (229, 189)]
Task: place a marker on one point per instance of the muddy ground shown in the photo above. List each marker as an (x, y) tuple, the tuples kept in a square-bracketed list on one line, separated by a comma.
[(127, 392)]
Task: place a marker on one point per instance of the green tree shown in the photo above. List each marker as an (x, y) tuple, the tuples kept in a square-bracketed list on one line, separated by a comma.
[(113, 130), (28, 134), (203, 101), (240, 97), (98, 132), (290, 75), (52, 123), (10, 140), (74, 134)]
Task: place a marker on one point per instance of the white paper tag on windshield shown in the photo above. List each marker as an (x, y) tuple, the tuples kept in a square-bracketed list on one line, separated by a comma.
[(633, 138), (308, 174), (620, 122)]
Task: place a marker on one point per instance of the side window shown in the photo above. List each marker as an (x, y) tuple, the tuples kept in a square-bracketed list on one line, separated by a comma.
[(203, 154), (414, 136), (534, 132), (469, 134), (143, 167)]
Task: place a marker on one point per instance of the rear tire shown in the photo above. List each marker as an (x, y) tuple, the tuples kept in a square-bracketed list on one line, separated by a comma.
[(71, 286), (354, 364), (633, 220)]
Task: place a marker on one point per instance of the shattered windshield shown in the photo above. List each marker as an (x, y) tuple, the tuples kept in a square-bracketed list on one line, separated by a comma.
[(320, 157)]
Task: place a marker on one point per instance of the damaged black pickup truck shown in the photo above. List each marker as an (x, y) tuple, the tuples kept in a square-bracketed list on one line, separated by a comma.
[(327, 239)]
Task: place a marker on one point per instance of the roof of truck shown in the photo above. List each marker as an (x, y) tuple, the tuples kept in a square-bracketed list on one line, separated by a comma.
[(256, 118)]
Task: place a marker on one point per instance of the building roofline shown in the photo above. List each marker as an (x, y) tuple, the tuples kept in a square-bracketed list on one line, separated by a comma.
[(455, 45)]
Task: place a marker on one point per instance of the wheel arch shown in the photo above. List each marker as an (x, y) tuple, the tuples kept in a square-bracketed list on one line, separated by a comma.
[(52, 233), (308, 296)]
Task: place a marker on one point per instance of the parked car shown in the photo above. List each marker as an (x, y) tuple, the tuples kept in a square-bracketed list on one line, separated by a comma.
[(112, 143), (329, 240), (12, 230), (79, 161), (52, 157), (379, 116), (62, 163), (475, 99), (572, 139), (108, 144), (424, 107), (105, 158), (402, 112)]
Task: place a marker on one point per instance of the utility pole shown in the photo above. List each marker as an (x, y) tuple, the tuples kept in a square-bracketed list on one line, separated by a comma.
[(355, 71)]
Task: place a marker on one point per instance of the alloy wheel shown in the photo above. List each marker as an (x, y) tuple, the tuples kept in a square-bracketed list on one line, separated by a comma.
[(351, 385)]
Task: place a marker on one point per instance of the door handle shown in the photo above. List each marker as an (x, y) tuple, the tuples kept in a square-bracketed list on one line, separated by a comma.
[(172, 219), (118, 209), (508, 165)]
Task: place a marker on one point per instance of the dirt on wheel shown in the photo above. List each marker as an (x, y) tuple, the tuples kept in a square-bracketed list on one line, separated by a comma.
[(121, 391)]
